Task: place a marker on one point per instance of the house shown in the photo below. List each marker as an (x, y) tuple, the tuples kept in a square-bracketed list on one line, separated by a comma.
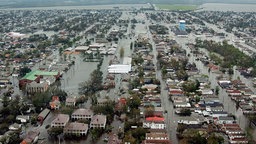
[(206, 91), (55, 103), (22, 118), (96, 47), (60, 121), (15, 127), (81, 49), (103, 101), (234, 92), (224, 83), (31, 137), (189, 121), (70, 101), (120, 104), (238, 141), (76, 128), (217, 114), (113, 139), (149, 87), (154, 123), (182, 105), (226, 120), (231, 129), (176, 92), (4, 82), (98, 121), (82, 114), (157, 138)]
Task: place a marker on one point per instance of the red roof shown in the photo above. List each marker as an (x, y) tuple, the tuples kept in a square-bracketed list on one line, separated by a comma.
[(155, 119), (122, 101), (235, 91)]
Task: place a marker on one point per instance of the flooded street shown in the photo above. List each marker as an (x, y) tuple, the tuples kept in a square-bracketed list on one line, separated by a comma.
[(78, 73)]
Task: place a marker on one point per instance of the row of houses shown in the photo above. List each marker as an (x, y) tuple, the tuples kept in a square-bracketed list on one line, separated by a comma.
[(241, 93), (151, 110), (205, 105)]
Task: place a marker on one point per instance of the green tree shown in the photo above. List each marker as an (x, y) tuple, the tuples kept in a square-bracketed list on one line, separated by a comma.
[(214, 139), (96, 133), (185, 112), (55, 131), (24, 71)]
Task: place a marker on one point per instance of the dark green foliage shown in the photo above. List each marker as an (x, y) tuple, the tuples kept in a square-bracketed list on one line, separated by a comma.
[(232, 56), (24, 71), (190, 86), (55, 131), (93, 85), (185, 112), (96, 133)]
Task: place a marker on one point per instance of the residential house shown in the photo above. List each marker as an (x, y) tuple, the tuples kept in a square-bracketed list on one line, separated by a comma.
[(157, 138), (103, 101), (60, 121), (232, 129), (31, 137), (4, 82), (55, 103), (15, 127), (226, 120), (113, 139), (22, 118), (176, 92), (217, 114), (238, 141), (182, 105), (70, 101), (82, 114), (190, 121), (154, 123), (98, 121), (76, 128)]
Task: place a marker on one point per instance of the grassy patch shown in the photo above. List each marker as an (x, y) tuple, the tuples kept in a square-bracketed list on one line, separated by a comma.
[(176, 7)]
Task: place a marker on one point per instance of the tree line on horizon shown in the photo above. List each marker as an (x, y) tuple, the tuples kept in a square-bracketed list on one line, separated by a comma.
[(39, 3)]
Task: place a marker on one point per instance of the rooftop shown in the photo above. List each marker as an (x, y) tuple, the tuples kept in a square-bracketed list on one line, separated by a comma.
[(82, 111), (155, 119), (76, 126), (33, 74), (99, 119), (61, 118)]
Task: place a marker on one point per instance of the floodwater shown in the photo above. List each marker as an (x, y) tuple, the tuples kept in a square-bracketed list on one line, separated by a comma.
[(78, 73), (228, 7)]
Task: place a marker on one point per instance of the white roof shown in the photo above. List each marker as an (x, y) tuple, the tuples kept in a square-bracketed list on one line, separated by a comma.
[(119, 68), (82, 48), (15, 34)]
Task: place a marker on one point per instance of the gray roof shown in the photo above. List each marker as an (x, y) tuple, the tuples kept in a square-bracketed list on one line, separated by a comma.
[(226, 118), (82, 111), (44, 113), (76, 126), (99, 119), (61, 118)]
